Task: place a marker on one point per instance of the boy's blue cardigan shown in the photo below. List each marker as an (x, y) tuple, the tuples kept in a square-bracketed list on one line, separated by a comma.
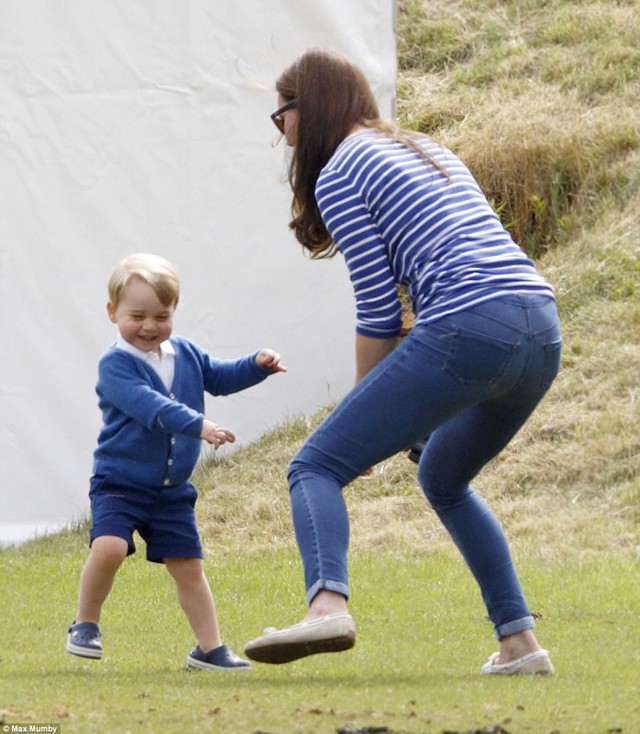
[(151, 436)]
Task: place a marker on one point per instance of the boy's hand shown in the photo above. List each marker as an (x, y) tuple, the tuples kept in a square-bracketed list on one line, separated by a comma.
[(215, 435), (270, 359)]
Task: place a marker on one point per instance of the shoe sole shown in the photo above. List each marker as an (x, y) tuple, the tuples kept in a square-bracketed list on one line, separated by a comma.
[(524, 670), (277, 653), (533, 664), (193, 664), (83, 652)]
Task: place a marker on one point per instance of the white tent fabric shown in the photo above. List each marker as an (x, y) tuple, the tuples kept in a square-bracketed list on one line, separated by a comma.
[(128, 126)]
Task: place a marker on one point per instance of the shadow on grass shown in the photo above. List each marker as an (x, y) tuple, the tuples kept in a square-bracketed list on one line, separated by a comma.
[(288, 677)]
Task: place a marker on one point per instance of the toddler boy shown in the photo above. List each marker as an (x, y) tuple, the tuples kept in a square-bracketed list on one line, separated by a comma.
[(151, 389)]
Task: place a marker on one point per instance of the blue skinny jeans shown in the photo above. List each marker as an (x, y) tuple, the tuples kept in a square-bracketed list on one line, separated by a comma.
[(467, 381)]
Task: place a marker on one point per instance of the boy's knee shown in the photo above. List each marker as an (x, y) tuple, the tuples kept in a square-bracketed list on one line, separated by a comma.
[(110, 548), (185, 569)]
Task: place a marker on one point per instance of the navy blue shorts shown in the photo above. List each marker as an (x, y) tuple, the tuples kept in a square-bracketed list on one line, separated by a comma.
[(164, 517)]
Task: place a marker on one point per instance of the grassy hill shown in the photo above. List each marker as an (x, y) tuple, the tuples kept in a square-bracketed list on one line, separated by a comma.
[(541, 100)]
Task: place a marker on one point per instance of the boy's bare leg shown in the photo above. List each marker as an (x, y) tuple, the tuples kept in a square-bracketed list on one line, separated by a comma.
[(105, 558), (196, 600)]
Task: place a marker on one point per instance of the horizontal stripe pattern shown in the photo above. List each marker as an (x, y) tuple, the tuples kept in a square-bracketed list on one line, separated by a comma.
[(397, 219)]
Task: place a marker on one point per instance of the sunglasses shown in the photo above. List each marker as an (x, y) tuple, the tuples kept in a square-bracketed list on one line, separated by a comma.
[(277, 116)]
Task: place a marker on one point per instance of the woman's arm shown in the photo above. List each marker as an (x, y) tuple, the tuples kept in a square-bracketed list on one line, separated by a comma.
[(370, 351)]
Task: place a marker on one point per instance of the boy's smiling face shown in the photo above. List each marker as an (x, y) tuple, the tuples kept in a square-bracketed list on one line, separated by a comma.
[(142, 319)]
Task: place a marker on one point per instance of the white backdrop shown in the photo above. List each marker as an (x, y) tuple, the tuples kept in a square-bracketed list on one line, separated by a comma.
[(143, 125)]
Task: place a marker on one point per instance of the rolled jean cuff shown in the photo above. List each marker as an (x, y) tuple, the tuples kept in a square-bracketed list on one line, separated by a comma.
[(518, 625), (327, 585)]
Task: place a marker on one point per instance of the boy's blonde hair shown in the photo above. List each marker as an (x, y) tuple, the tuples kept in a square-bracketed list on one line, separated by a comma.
[(152, 269)]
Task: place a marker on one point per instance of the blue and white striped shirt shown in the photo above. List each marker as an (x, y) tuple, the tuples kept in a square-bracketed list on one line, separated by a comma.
[(397, 219)]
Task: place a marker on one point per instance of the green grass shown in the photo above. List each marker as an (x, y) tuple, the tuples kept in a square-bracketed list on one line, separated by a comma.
[(422, 637)]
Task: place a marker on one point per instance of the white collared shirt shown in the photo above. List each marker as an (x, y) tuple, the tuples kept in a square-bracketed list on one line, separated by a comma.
[(164, 363)]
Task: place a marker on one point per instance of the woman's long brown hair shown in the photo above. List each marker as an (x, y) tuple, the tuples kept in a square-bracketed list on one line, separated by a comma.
[(333, 96)]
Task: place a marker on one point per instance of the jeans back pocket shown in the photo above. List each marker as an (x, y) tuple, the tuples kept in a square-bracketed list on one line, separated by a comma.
[(478, 359)]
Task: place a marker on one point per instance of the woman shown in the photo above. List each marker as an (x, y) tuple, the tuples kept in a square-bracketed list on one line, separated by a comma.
[(484, 348)]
